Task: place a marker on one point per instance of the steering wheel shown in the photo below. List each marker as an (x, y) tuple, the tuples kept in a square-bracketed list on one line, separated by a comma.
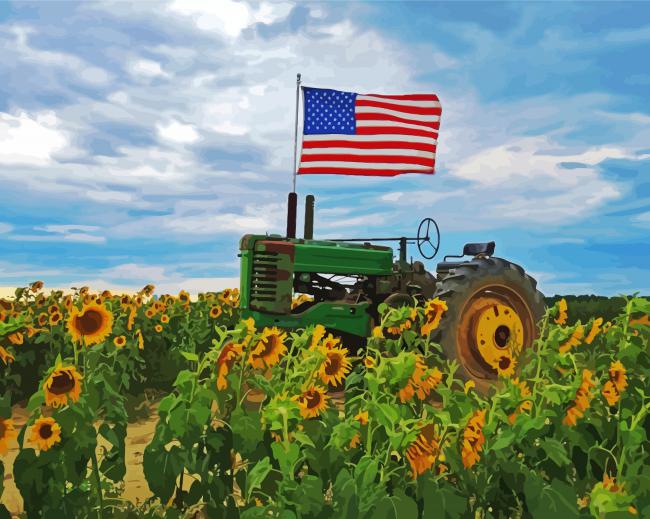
[(424, 238)]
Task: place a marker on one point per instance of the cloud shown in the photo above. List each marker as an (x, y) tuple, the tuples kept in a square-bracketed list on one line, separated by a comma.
[(146, 68), (5, 227), (30, 140), (176, 131)]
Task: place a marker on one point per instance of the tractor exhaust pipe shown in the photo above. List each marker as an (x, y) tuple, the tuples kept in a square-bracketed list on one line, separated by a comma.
[(291, 215), (309, 217)]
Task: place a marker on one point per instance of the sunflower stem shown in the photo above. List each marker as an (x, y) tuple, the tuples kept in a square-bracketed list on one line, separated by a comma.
[(100, 497)]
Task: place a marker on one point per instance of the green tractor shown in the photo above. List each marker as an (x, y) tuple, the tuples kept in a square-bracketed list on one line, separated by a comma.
[(492, 303)]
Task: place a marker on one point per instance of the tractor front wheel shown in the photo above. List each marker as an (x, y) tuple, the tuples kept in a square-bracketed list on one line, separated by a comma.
[(492, 316)]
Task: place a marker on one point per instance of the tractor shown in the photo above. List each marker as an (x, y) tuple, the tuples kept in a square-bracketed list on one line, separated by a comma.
[(492, 303)]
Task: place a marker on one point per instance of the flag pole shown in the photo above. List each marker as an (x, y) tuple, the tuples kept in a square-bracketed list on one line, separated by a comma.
[(295, 134)]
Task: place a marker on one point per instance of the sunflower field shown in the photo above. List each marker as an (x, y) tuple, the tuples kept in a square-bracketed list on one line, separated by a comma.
[(260, 423)]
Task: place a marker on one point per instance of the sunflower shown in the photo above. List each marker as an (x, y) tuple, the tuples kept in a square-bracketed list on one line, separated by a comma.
[(230, 353), (422, 381), (433, 311), (55, 319), (424, 451), (616, 384), (63, 383), (369, 362), (6, 356), (164, 318), (355, 441), (131, 319), (526, 405), (269, 349), (183, 297), (300, 299), (90, 325), (119, 341), (362, 417), (335, 367), (140, 339), (574, 340), (158, 328), (150, 312), (582, 400), (377, 332), (147, 290), (7, 433), (36, 286), (595, 330), (609, 483), (561, 312), (473, 439), (125, 300), (505, 366), (331, 342), (316, 336), (16, 338), (68, 302), (312, 402), (215, 311), (45, 433)]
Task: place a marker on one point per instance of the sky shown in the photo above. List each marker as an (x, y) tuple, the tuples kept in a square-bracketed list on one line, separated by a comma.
[(140, 141)]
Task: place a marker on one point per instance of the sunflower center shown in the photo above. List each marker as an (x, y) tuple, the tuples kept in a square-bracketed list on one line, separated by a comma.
[(269, 345), (89, 323), (333, 364), (62, 383), (45, 431), (504, 362), (312, 399)]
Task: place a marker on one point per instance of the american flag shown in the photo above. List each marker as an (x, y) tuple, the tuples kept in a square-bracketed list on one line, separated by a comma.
[(345, 133)]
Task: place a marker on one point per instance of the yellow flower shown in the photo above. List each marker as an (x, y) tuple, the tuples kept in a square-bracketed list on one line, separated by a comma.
[(140, 339), (90, 325), (164, 318), (184, 297), (131, 318), (331, 342), (36, 286), (7, 434), (300, 299), (269, 349), (43, 319), (312, 402), (317, 336), (470, 384), (433, 311), (230, 353), (6, 356), (562, 312), (362, 417), (377, 332), (335, 367), (369, 362), (150, 313), (422, 381), (45, 433), (63, 383), (355, 441), (215, 311), (424, 451), (119, 341), (609, 484), (616, 384), (158, 328), (55, 318), (526, 405), (473, 439), (574, 340), (582, 400), (595, 330), (16, 338)]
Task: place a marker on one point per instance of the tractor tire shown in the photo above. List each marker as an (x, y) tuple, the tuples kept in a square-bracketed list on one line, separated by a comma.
[(493, 308)]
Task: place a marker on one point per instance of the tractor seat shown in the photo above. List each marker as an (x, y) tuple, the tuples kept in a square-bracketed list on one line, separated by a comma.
[(470, 249)]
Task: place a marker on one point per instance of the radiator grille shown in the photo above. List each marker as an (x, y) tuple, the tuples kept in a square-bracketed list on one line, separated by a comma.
[(264, 282)]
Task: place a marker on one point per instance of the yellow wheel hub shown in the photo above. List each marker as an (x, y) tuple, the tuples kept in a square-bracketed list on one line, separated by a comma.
[(499, 332)]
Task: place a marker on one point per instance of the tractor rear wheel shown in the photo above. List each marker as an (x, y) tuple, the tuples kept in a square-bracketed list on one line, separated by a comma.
[(493, 311)]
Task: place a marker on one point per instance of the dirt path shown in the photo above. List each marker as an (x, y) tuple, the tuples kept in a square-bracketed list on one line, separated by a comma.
[(138, 436)]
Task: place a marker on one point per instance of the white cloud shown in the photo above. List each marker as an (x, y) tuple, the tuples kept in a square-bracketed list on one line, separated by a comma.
[(176, 131), (5, 228), (146, 68), (227, 17), (30, 139)]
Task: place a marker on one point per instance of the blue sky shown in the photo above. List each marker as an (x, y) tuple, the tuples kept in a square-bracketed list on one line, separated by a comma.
[(139, 142)]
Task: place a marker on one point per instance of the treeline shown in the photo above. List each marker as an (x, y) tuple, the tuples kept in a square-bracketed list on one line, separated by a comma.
[(585, 307)]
